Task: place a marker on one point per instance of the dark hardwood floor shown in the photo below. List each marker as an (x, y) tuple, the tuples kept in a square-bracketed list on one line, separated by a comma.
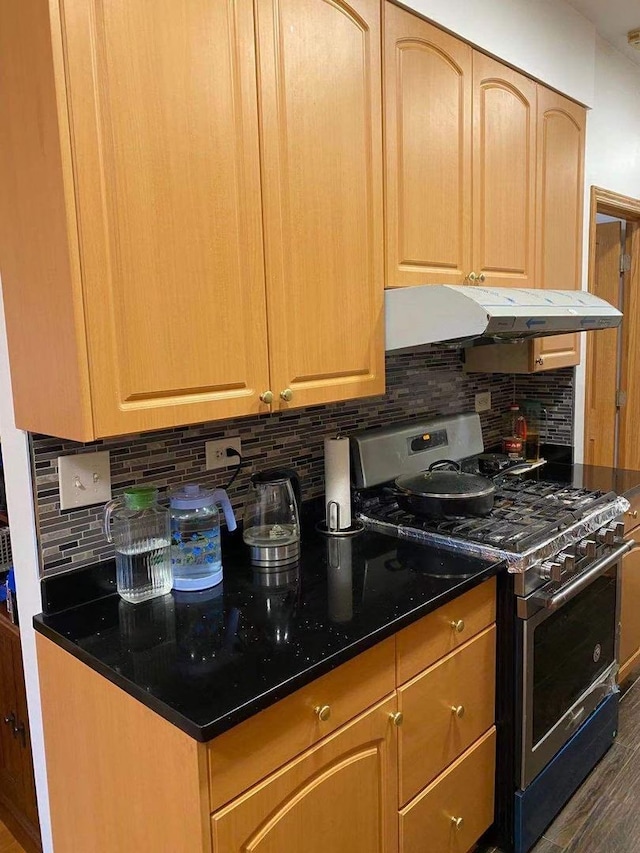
[(603, 815)]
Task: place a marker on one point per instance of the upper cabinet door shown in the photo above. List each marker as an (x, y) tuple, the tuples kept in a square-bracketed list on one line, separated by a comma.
[(164, 130), (427, 152), (504, 163), (320, 99), (560, 194)]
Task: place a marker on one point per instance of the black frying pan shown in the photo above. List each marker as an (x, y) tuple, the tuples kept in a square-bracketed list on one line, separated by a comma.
[(435, 492)]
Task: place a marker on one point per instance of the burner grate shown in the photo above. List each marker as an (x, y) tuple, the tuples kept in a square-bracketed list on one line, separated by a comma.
[(526, 513)]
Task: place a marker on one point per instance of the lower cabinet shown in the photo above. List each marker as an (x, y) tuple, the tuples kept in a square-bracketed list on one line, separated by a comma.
[(18, 807), (454, 811), (629, 650), (339, 795), (392, 752), (445, 710)]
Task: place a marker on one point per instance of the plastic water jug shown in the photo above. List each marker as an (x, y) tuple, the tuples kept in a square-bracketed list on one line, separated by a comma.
[(196, 557)]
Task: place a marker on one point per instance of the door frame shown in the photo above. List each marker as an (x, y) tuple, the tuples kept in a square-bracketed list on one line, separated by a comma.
[(623, 207)]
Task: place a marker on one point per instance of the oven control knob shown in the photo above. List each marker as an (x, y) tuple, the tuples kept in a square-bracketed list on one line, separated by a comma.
[(612, 533), (605, 535), (587, 548), (567, 562), (551, 571)]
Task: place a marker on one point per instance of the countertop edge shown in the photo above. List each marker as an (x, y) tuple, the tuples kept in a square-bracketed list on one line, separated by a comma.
[(209, 731)]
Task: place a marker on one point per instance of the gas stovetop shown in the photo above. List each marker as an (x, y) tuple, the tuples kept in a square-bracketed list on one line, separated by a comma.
[(526, 514), (532, 520)]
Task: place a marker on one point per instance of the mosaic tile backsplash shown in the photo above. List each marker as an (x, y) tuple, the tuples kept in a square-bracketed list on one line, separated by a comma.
[(426, 382)]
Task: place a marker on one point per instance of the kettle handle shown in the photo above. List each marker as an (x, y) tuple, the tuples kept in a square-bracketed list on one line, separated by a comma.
[(281, 474), (221, 497)]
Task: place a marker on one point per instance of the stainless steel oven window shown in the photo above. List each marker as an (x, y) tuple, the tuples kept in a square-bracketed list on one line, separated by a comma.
[(536, 753)]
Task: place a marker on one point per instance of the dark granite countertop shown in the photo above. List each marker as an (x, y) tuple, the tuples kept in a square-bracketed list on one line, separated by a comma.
[(618, 480), (207, 661)]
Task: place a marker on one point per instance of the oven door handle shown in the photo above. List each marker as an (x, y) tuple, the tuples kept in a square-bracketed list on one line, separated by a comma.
[(575, 586)]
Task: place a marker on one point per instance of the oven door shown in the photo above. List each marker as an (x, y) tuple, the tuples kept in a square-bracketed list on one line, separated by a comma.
[(569, 650)]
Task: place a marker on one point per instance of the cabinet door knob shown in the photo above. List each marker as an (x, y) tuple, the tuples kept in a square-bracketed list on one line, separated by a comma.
[(633, 513), (458, 711), (457, 822), (540, 360), (20, 730), (458, 625), (323, 712), (481, 277), (472, 277), (287, 395), (397, 718), (10, 720), (267, 397)]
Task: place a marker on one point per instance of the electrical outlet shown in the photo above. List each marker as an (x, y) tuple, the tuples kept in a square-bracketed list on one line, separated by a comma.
[(84, 479), (216, 452), (483, 401)]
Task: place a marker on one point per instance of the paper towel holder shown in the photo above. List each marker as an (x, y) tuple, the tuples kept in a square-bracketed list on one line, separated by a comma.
[(323, 526)]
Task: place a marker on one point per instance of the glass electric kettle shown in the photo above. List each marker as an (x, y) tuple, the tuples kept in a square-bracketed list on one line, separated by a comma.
[(271, 525)]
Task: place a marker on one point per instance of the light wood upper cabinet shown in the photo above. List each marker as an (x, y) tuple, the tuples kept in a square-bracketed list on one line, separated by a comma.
[(560, 187), (460, 155), (320, 87), (163, 108), (504, 174), (428, 152), (340, 795), (138, 187)]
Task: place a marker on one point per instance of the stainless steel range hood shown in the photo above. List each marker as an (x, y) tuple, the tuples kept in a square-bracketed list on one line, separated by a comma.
[(445, 312)]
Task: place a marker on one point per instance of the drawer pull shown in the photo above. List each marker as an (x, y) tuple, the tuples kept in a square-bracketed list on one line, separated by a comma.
[(457, 822), (457, 625), (458, 711), (397, 719), (323, 712), (633, 513)]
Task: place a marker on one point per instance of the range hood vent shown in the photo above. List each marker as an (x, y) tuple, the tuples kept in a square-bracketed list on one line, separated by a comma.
[(468, 315)]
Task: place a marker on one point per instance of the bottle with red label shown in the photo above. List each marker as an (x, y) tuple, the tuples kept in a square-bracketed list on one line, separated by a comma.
[(515, 433)]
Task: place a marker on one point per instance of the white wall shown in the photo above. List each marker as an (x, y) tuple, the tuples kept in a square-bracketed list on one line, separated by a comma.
[(612, 159), (546, 38), (17, 471), (613, 140)]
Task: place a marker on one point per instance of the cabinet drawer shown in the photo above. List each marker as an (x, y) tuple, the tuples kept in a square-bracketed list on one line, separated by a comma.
[(445, 710), (263, 743), (632, 515), (442, 631), (464, 791)]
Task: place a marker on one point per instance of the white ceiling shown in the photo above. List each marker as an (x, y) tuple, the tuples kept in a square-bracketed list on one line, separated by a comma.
[(613, 20)]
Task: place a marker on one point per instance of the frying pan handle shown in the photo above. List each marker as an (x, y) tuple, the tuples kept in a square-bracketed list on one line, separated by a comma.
[(522, 468), (435, 466)]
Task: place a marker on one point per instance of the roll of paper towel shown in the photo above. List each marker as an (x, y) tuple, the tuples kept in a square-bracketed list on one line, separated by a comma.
[(337, 483)]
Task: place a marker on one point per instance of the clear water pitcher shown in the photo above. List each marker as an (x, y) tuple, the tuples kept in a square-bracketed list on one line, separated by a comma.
[(140, 531)]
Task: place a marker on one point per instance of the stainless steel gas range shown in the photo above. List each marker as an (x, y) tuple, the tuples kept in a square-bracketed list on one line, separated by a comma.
[(558, 607)]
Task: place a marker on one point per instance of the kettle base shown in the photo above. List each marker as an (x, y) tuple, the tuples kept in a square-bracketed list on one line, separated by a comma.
[(274, 556)]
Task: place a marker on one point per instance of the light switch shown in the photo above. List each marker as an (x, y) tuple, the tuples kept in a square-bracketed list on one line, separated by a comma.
[(84, 479)]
